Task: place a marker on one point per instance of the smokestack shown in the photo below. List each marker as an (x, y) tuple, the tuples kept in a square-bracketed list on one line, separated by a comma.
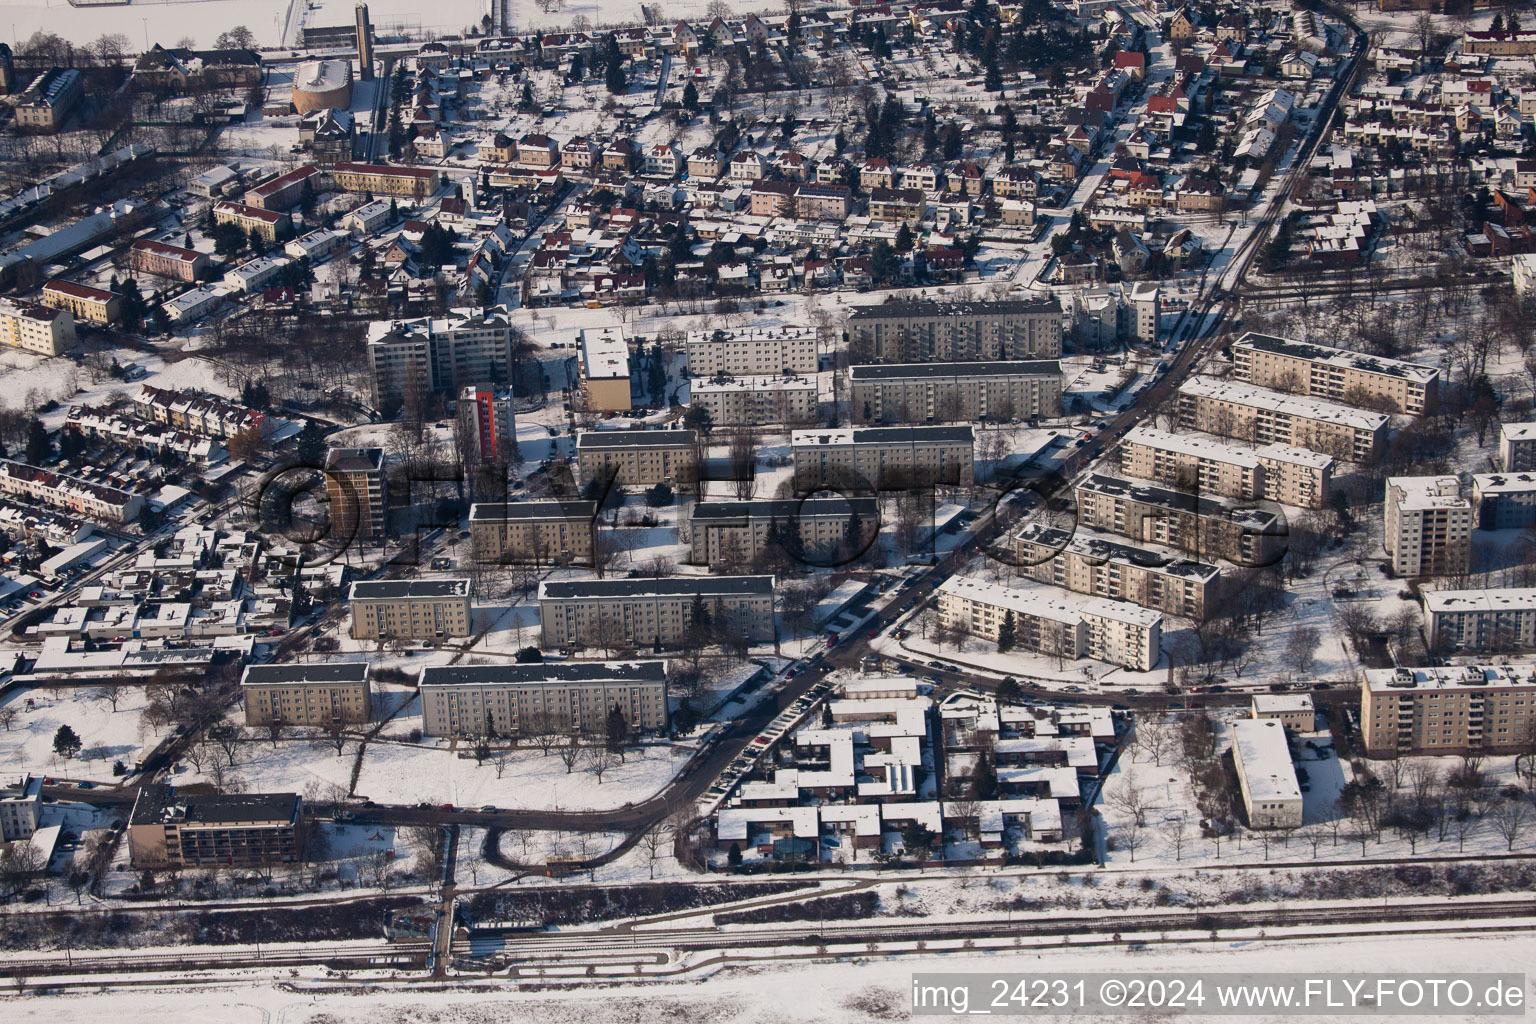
[(364, 44)]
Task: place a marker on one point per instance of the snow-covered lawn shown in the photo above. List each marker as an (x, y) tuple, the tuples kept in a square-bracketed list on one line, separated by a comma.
[(105, 735)]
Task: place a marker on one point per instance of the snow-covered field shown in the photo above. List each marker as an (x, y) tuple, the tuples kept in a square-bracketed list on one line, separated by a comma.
[(105, 736)]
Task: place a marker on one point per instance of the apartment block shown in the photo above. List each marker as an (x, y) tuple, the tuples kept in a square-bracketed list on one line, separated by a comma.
[(415, 182), (815, 531), (36, 328), (172, 830), (1265, 775), (20, 809), (952, 332), (1290, 476), (1480, 620), (1270, 417), (533, 532), (357, 493), (752, 352), (267, 224), (1428, 526), (1088, 564), (50, 99), (311, 695), (95, 305), (883, 457), (1455, 709), (637, 458), (70, 493), (408, 359), (1205, 527), (1302, 368), (487, 424), (1505, 501), (947, 392), (165, 260), (756, 401), (604, 368), (1114, 631), (653, 612), (286, 189), (560, 697), (410, 609), (1517, 447)]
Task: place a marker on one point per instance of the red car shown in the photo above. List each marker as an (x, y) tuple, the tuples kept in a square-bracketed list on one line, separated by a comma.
[(445, 807)]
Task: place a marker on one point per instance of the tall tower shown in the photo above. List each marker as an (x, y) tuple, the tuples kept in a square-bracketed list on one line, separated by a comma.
[(364, 44)]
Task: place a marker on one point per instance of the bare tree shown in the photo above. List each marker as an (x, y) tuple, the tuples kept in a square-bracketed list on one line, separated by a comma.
[(1130, 838), (570, 754), (543, 728), (427, 841), (8, 716), (1130, 796), (1155, 736), (600, 760), (1510, 820), (654, 840)]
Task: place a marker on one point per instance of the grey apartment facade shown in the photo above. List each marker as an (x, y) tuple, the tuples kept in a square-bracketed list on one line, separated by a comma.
[(559, 697), (950, 392), (920, 332), (653, 612)]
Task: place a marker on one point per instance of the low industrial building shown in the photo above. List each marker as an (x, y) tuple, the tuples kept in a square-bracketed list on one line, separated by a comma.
[(1295, 711)]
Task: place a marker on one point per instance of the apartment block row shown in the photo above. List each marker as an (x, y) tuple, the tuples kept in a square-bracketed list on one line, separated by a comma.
[(1204, 527), (1480, 620), (413, 358), (948, 392), (1090, 564), (923, 332), (1318, 371), (757, 401), (883, 457), (1114, 631), (72, 494), (533, 532), (813, 531), (753, 351), (1453, 709), (422, 609), (1275, 472), (1256, 414), (655, 613), (638, 458)]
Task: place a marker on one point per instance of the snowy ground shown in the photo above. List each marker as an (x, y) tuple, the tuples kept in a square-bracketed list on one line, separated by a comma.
[(105, 736)]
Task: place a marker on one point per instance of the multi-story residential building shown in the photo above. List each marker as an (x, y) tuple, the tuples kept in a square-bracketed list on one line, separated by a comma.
[(1290, 476), (897, 205), (412, 358), (538, 150), (285, 190), (1505, 501), (416, 182), (82, 497), (96, 305), (814, 201), (604, 368), (883, 457), (946, 392), (20, 809), (653, 612), (1090, 564), (410, 609), (357, 493), (946, 332), (1114, 631), (36, 328), (167, 260), (1265, 775), (1301, 368), (266, 224), (487, 425), (311, 695), (753, 401), (1480, 620), (1517, 447), (525, 700), (1270, 417), (638, 458), (50, 99), (172, 829), (1454, 709), (1206, 527), (815, 531), (752, 352), (537, 532), (1428, 526)]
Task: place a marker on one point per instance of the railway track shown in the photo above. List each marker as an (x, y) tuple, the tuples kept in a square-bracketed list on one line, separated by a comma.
[(381, 954)]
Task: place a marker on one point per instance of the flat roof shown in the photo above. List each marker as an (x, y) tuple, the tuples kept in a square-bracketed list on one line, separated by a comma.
[(596, 439), (1361, 361), (767, 382), (1504, 483), (343, 672), (1197, 446), (1046, 605), (532, 511), (157, 804), (883, 435), (723, 335), (1278, 703), (783, 508), (1507, 599), (1264, 758), (1450, 677), (900, 371), (913, 310), (1102, 548), (1277, 401), (1518, 431), (1427, 492), (384, 590), (676, 586), (1149, 494), (546, 672), (605, 353)]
